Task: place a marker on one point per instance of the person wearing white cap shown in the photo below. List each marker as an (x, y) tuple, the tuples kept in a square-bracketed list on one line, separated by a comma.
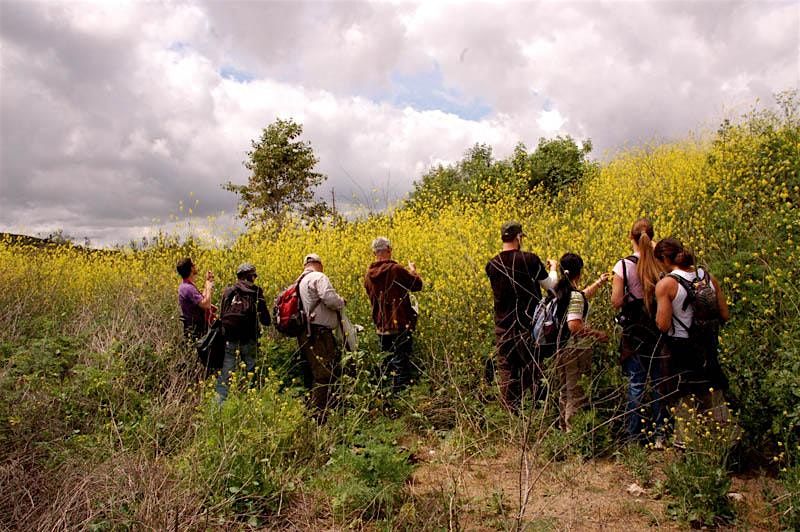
[(242, 309), (318, 343)]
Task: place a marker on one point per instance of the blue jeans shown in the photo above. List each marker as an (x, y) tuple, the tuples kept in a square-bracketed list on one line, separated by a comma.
[(637, 369), (233, 350)]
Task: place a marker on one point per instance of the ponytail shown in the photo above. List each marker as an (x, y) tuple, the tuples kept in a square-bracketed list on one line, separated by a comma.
[(649, 271), (569, 268)]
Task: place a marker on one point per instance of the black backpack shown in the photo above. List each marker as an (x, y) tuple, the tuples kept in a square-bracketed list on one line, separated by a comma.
[(211, 348), (633, 311), (702, 297), (238, 315), (704, 332)]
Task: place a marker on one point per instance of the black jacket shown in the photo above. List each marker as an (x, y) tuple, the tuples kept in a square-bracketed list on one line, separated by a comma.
[(261, 315)]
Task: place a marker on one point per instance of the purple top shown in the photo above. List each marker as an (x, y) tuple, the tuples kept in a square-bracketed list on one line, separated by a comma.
[(189, 298)]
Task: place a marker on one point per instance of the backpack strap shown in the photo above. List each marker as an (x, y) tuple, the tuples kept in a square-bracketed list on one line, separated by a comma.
[(679, 322), (627, 293), (687, 285), (300, 302), (585, 304)]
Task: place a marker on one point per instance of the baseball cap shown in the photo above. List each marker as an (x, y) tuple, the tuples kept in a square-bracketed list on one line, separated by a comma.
[(311, 257), (245, 268), (511, 229)]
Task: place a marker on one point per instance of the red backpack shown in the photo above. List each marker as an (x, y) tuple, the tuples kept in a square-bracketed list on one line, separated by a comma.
[(290, 318)]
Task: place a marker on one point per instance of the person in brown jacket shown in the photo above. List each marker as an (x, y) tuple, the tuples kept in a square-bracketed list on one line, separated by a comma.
[(388, 285)]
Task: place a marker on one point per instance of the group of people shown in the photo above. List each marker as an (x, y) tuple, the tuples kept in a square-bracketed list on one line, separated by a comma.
[(656, 291), (665, 361), (243, 312)]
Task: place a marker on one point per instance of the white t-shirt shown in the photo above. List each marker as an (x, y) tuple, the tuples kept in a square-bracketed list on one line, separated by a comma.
[(578, 310), (634, 284), (681, 329)]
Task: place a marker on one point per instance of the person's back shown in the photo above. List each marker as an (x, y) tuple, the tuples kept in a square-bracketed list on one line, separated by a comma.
[(694, 366), (633, 293), (388, 284), (320, 300), (514, 276), (317, 342), (235, 299), (574, 359), (195, 306), (193, 315), (242, 312)]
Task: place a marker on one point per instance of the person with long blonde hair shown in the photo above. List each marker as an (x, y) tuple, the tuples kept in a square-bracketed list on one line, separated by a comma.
[(633, 294)]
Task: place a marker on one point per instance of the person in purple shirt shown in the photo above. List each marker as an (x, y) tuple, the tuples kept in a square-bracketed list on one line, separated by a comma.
[(194, 304)]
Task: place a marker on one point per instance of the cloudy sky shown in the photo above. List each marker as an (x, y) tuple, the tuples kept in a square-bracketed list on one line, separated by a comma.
[(113, 113)]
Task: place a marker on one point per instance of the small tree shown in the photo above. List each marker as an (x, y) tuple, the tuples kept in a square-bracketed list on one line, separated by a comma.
[(282, 178), (558, 162)]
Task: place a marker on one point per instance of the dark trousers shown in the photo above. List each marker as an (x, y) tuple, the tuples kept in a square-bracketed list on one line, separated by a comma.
[(397, 365), (517, 367), (321, 351), (193, 331)]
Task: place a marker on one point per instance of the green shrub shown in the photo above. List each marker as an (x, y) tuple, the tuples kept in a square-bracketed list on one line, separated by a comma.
[(250, 452), (698, 480), (589, 437), (366, 478), (789, 502)]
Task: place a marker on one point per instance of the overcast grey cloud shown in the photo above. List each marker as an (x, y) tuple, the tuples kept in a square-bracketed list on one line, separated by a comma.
[(113, 113)]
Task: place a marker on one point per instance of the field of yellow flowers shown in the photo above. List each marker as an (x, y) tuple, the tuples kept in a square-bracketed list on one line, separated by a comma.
[(102, 425)]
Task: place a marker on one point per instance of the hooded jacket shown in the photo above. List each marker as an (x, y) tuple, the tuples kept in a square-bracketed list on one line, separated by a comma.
[(388, 284), (247, 289)]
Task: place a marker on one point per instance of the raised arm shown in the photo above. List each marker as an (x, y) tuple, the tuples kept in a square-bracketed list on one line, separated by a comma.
[(208, 292), (590, 290), (550, 282), (409, 278)]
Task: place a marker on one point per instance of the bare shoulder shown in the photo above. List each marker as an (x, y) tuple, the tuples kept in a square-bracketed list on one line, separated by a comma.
[(666, 286)]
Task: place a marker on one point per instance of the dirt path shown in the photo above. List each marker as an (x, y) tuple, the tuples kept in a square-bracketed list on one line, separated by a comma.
[(483, 494)]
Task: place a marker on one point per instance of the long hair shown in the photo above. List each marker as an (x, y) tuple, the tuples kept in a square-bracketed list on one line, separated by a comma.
[(672, 249), (648, 268), (571, 266)]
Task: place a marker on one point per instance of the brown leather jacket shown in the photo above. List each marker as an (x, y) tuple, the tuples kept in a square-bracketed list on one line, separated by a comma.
[(388, 284)]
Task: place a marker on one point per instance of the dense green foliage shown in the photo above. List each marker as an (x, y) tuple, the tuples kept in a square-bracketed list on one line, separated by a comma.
[(554, 164)]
